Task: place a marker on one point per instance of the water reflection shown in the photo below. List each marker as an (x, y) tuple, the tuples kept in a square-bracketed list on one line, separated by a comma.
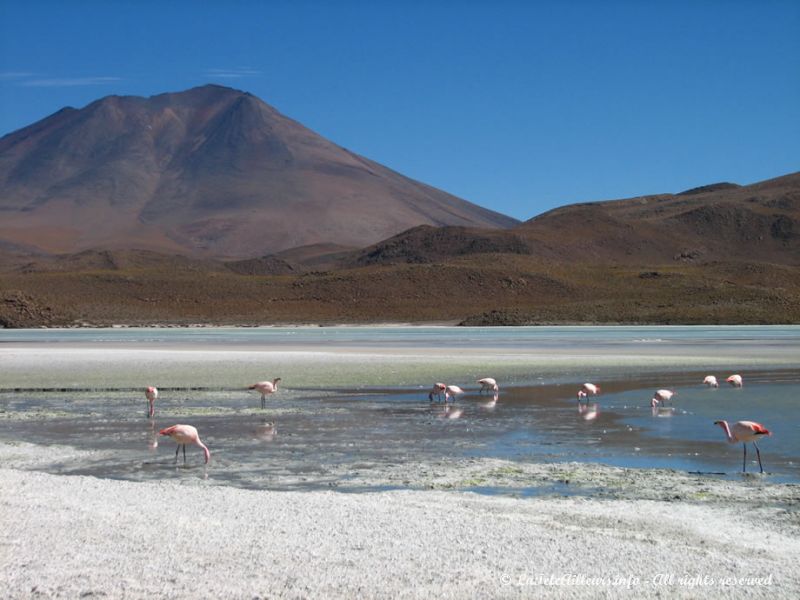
[(663, 411), (152, 437), (588, 412), (265, 431), (491, 403)]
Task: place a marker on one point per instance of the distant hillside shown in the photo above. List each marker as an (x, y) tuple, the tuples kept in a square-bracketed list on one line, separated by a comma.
[(714, 222), (723, 221), (210, 172), (720, 254)]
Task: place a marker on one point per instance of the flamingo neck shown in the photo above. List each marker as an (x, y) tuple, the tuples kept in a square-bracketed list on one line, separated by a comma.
[(206, 451), (275, 383), (727, 429)]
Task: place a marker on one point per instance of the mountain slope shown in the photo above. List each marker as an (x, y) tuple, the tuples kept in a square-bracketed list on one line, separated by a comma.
[(716, 222), (718, 254), (207, 172)]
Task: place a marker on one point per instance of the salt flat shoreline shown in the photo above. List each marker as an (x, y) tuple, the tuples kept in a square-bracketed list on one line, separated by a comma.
[(634, 533), (657, 533), (78, 537)]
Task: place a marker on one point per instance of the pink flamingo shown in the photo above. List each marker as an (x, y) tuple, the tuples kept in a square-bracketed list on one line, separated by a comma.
[(151, 393), (735, 380), (487, 383), (588, 389), (591, 389), (744, 431), (451, 391), (661, 397), (264, 388), (711, 381), (438, 390), (185, 434)]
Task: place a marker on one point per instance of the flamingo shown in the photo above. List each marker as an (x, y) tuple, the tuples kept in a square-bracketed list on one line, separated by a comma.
[(487, 383), (265, 387), (151, 393), (185, 434), (661, 397), (438, 390), (735, 380), (744, 431), (590, 389), (451, 391), (711, 381)]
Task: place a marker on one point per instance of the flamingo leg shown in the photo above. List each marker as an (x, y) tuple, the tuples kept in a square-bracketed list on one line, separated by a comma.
[(263, 402), (744, 459), (759, 457), (184, 453), (177, 449)]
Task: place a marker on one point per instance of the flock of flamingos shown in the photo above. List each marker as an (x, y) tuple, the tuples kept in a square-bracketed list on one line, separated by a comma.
[(741, 431)]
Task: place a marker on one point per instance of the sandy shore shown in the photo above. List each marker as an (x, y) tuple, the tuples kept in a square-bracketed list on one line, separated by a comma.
[(660, 534)]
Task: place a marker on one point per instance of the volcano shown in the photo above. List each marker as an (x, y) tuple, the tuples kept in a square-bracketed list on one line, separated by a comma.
[(210, 172)]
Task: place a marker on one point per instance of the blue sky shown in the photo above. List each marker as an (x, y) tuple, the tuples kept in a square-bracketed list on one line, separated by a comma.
[(517, 106)]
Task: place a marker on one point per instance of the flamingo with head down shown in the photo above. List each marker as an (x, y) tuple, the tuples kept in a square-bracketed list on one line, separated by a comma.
[(586, 390), (451, 391), (438, 390), (711, 381), (744, 431), (735, 380), (661, 397), (185, 434), (151, 393), (591, 389), (488, 384)]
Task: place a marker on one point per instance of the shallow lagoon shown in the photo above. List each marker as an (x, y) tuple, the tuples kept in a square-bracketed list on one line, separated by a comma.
[(354, 408)]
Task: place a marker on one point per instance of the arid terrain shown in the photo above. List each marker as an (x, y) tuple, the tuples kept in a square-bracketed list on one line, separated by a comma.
[(726, 254), (208, 206)]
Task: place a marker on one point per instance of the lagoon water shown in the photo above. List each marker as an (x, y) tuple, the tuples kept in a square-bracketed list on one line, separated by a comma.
[(353, 403)]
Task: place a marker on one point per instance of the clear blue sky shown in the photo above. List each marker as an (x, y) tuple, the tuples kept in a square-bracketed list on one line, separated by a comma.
[(517, 106)]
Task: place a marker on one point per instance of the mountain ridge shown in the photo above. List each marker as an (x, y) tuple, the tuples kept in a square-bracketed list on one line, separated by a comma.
[(211, 171)]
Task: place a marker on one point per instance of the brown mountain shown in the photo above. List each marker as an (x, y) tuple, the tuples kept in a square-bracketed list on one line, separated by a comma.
[(717, 254), (210, 172), (716, 222)]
